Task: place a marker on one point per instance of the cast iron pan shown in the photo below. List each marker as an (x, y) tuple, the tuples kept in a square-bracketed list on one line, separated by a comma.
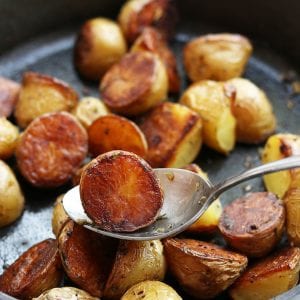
[(51, 27)]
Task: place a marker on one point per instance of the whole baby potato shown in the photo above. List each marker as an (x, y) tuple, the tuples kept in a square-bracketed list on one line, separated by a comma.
[(9, 134)]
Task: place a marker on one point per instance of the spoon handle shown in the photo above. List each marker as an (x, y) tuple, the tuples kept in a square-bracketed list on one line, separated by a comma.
[(283, 164)]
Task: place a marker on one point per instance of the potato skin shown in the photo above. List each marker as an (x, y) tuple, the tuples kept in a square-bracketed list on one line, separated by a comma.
[(59, 216), (268, 278), (173, 133), (216, 56), (9, 92), (11, 196), (253, 224), (9, 135), (100, 44), (42, 94), (50, 150), (202, 269), (151, 290), (35, 271), (135, 261), (252, 110)]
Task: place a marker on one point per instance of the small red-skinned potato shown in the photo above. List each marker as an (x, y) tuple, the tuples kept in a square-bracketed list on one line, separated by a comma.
[(253, 224), (42, 94), (9, 135), (202, 269), (120, 192), (59, 216), (100, 44), (135, 84), (173, 133), (50, 150), (216, 56), (113, 132), (268, 278), (35, 271)]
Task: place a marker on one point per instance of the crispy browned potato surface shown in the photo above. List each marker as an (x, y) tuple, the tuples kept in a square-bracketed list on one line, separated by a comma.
[(9, 92)]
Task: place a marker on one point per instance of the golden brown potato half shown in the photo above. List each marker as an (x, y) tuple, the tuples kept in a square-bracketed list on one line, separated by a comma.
[(268, 278), (51, 149), (11, 197), (135, 84), (203, 269), (9, 135), (135, 262), (42, 94), (209, 100), (252, 110), (35, 271), (173, 133), (100, 44), (151, 290), (136, 15), (216, 56), (131, 197), (88, 110), (113, 132), (65, 293), (59, 216), (151, 40), (87, 257), (9, 92), (285, 184), (253, 224)]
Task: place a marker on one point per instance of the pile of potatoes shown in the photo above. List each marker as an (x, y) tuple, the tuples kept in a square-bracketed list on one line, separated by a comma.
[(54, 134)]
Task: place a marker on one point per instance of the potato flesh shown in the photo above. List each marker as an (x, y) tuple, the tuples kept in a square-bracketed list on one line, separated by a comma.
[(9, 135)]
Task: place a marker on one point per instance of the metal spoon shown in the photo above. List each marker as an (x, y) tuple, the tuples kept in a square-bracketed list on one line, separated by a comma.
[(186, 197)]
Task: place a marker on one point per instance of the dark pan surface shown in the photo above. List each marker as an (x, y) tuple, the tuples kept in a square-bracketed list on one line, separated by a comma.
[(52, 54)]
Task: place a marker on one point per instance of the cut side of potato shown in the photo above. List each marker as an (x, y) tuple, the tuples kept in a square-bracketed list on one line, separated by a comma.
[(135, 262), (270, 277), (173, 133), (9, 135)]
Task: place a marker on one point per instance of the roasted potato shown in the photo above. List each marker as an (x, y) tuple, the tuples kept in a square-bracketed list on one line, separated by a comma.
[(134, 197), (88, 110), (203, 270), (87, 257), (268, 278), (252, 110), (216, 56), (59, 216), (9, 92), (151, 290), (51, 149), (65, 293), (100, 44), (135, 262), (253, 224), (210, 101), (35, 271), (42, 94), (113, 132), (135, 84), (173, 133), (9, 135), (151, 40), (11, 197), (136, 15), (77, 175)]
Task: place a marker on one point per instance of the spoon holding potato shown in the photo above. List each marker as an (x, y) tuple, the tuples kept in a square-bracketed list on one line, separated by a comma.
[(186, 197)]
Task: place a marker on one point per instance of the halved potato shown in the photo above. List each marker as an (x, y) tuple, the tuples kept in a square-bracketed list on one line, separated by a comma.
[(59, 216), (35, 271), (9, 135), (173, 133), (135, 84), (100, 44), (151, 290), (135, 262), (9, 92), (113, 132), (210, 101), (88, 110), (269, 278), (203, 269), (11, 197), (252, 110), (216, 56), (42, 94)]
